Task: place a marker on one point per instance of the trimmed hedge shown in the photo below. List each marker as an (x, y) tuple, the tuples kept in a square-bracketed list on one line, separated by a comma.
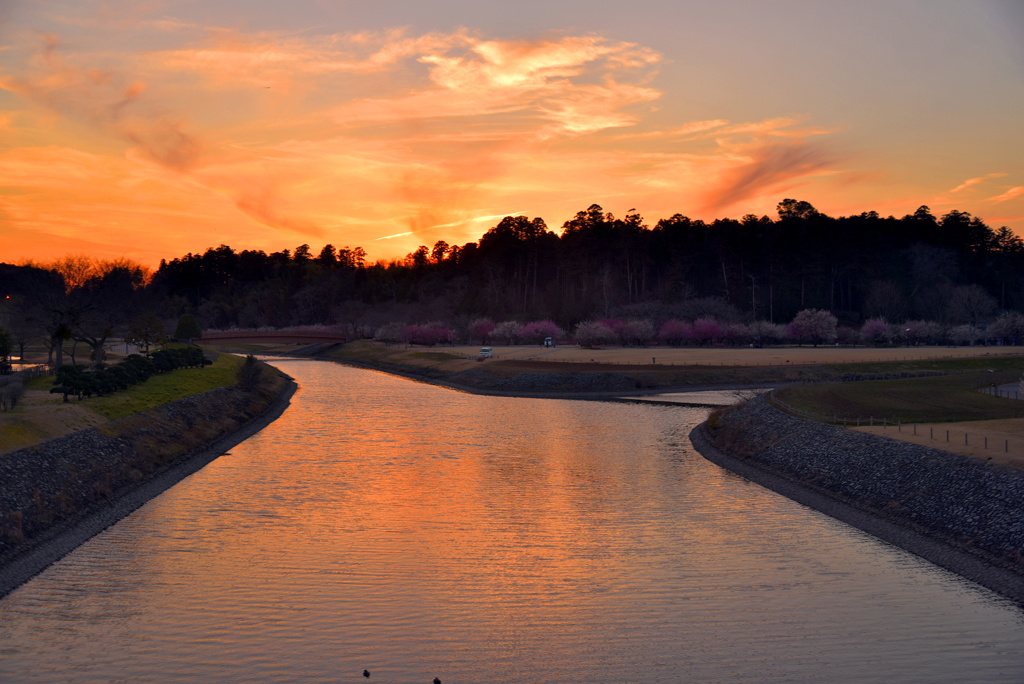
[(81, 382)]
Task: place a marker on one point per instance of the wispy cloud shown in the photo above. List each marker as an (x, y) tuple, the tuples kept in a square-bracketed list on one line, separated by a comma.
[(476, 219), (974, 181), (1008, 195), (767, 167)]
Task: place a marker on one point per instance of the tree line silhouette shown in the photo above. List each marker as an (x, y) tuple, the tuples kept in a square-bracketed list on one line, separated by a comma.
[(858, 267), (950, 270)]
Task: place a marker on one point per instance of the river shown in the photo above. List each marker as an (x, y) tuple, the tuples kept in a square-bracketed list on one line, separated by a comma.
[(417, 532)]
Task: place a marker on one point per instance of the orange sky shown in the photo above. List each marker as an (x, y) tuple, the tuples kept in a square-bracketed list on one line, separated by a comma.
[(151, 129)]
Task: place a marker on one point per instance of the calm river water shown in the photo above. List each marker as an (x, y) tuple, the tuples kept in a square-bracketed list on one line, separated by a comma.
[(419, 533)]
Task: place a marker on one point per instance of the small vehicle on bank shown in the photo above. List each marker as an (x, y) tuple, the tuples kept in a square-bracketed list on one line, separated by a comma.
[(486, 352)]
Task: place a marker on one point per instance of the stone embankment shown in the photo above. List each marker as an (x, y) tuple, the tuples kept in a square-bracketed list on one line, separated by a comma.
[(960, 513), (57, 494)]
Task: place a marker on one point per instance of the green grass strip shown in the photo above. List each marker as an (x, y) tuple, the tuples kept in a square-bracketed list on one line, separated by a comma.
[(167, 387), (940, 399)]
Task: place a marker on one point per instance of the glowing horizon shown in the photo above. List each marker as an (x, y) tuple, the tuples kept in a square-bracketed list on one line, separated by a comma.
[(149, 132)]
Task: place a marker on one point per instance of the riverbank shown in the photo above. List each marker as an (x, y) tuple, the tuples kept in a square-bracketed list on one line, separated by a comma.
[(600, 380), (956, 512), (41, 416), (57, 494), (595, 373)]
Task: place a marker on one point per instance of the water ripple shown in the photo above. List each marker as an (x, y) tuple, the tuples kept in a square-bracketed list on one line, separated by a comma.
[(417, 532)]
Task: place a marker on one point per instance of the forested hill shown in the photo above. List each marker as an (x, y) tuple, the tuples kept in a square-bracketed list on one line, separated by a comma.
[(754, 268)]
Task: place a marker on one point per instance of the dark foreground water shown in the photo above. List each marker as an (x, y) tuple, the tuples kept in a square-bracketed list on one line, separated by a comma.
[(419, 532)]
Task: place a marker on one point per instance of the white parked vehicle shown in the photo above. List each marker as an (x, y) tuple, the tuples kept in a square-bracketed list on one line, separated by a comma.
[(486, 352)]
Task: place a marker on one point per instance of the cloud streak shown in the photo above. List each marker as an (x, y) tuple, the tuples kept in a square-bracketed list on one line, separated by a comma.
[(1010, 194), (769, 167), (970, 182)]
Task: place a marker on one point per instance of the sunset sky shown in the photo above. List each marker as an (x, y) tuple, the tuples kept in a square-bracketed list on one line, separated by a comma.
[(150, 129)]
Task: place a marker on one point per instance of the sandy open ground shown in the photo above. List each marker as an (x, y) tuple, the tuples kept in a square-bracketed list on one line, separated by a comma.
[(736, 356), (1005, 438), (42, 416)]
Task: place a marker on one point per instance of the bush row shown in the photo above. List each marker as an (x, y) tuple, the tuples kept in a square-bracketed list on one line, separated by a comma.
[(82, 382)]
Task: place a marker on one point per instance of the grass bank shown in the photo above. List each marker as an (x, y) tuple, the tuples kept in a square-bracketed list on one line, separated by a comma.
[(42, 416), (56, 494), (167, 387), (951, 397)]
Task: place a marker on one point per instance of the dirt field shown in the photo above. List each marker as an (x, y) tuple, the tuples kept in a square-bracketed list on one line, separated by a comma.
[(744, 356), (42, 416), (1005, 438)]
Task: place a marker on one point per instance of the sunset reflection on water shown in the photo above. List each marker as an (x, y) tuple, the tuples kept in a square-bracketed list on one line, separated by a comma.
[(419, 532)]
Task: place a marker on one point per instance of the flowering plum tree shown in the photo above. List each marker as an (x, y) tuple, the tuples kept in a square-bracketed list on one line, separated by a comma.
[(481, 329), (764, 332), (593, 333), (675, 332), (706, 330), (506, 330), (875, 331), (538, 330), (616, 326), (638, 331), (816, 326)]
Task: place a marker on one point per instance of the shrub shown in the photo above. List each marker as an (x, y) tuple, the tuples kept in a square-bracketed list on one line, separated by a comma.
[(249, 372), (76, 380), (10, 394), (188, 328)]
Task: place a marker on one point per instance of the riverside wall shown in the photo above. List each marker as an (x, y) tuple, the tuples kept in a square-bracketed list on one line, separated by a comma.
[(57, 494), (961, 513)]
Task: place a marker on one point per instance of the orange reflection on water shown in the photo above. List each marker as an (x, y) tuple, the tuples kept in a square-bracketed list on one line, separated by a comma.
[(419, 532)]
